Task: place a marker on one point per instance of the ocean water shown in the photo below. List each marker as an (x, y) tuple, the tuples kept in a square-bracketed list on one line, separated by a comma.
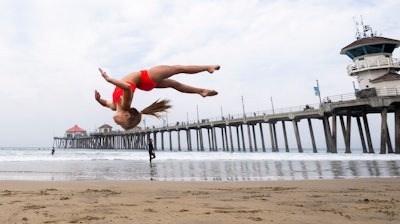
[(84, 164)]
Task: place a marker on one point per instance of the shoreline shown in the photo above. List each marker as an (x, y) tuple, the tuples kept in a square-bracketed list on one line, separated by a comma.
[(196, 167), (370, 200)]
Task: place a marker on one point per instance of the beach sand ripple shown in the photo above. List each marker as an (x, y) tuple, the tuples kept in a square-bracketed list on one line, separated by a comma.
[(310, 201)]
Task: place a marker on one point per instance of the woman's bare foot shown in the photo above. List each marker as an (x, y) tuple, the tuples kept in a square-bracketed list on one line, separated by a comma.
[(213, 68), (208, 92)]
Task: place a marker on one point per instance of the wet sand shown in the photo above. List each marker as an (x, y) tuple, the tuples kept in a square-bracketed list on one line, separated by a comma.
[(310, 201)]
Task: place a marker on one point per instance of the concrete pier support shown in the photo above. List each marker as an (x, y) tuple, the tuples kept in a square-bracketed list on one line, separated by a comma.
[(348, 133), (201, 140), (243, 143), (285, 136), (327, 132), (297, 134), (197, 139), (214, 138), (262, 137), (230, 138), (179, 140), (275, 137), (254, 137), (238, 138), (362, 139), (271, 134), (397, 129), (346, 129), (334, 133), (226, 139), (367, 132), (249, 137), (210, 146), (389, 142), (162, 140), (384, 129), (170, 140), (312, 136), (189, 140), (223, 139)]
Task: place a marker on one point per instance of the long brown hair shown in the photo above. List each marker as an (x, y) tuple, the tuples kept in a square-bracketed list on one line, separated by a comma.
[(155, 109)]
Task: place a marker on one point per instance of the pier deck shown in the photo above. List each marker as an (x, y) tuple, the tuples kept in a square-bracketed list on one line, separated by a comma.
[(327, 113)]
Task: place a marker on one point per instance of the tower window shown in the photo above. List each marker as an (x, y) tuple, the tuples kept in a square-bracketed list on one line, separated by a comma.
[(372, 49), (355, 52), (389, 48)]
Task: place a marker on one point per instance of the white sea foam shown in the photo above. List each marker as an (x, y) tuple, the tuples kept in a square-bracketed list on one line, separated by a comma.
[(24, 154)]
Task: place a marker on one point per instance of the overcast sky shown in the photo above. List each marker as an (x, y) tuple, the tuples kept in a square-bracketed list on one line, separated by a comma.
[(50, 51)]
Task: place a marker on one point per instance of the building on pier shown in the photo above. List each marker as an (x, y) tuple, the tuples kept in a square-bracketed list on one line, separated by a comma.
[(105, 129), (75, 132), (377, 75), (375, 69)]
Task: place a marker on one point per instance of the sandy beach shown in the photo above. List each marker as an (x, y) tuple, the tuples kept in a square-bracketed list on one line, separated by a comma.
[(373, 200)]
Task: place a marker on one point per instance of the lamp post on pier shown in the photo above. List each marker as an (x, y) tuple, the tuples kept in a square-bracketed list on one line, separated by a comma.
[(197, 109), (244, 112), (272, 104)]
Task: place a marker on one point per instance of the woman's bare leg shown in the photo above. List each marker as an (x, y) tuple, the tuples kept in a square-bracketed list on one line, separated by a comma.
[(169, 83), (161, 72)]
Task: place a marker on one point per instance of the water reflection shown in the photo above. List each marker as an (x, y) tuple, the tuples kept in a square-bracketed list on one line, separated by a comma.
[(153, 170), (393, 167), (199, 170), (272, 170)]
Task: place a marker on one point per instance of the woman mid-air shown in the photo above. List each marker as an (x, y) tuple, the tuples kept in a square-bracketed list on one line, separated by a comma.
[(156, 77)]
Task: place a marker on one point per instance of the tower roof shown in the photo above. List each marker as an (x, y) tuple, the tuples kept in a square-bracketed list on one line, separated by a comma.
[(369, 41), (75, 128), (105, 126)]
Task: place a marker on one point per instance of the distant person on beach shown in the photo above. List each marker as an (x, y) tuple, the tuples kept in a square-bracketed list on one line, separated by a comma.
[(152, 153), (53, 151), (156, 77)]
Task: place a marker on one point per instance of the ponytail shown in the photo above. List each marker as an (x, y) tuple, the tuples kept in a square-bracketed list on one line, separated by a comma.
[(156, 108)]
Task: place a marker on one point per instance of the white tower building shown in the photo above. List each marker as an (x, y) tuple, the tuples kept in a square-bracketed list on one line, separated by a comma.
[(375, 69)]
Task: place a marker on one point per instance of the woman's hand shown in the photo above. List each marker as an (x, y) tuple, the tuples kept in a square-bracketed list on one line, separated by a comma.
[(97, 96), (104, 74), (103, 102), (119, 83)]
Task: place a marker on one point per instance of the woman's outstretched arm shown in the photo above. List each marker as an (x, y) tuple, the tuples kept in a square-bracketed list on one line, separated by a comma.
[(121, 84), (103, 102), (127, 96)]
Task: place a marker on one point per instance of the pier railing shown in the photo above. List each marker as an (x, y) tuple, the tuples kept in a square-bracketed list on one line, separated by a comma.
[(373, 64), (299, 108)]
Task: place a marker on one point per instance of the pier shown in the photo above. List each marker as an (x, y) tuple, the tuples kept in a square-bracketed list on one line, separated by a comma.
[(379, 93), (257, 131)]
